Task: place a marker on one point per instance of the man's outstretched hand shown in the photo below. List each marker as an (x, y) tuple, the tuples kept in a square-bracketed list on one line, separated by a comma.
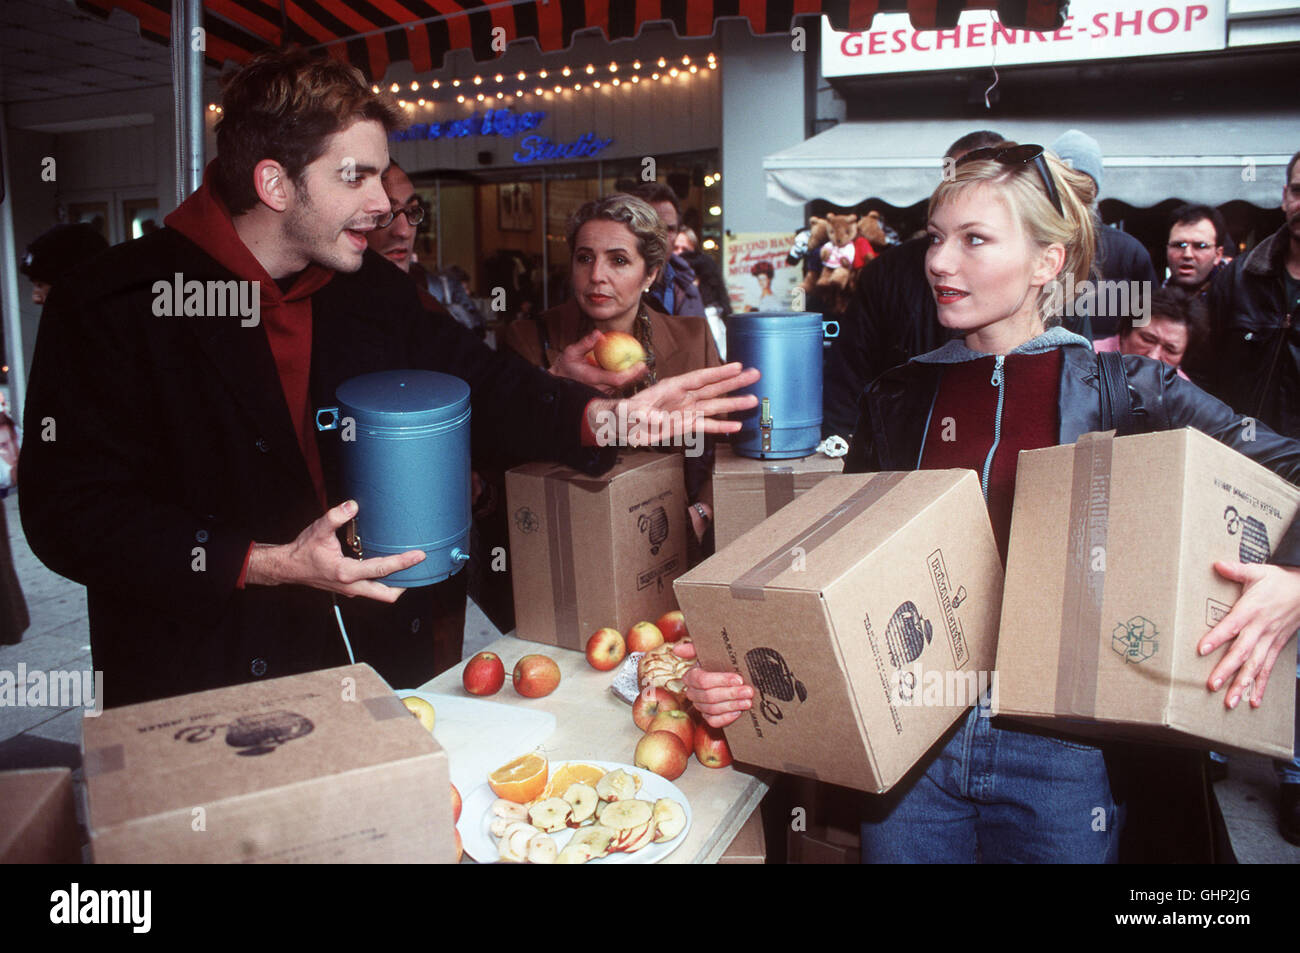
[(661, 414), (316, 559)]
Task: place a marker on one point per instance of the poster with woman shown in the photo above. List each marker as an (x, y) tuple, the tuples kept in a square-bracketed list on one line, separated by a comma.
[(758, 278)]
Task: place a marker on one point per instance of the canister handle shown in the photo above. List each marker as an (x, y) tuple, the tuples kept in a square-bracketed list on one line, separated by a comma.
[(327, 418), (827, 332)]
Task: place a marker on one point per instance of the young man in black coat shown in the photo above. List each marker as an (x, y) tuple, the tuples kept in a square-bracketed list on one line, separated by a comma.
[(173, 468)]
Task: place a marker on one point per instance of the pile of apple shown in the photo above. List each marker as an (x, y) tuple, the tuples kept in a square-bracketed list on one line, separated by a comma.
[(608, 818), (535, 676)]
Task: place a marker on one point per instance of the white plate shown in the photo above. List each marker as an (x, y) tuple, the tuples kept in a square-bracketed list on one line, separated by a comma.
[(482, 846)]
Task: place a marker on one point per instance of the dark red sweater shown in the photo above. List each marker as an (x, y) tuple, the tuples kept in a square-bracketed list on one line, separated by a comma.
[(965, 424), (285, 316)]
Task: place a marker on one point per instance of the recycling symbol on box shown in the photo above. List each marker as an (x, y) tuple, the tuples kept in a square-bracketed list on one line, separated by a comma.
[(1135, 639)]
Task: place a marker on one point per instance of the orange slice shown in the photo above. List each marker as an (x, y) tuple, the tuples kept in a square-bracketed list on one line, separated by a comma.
[(521, 781), (573, 772)]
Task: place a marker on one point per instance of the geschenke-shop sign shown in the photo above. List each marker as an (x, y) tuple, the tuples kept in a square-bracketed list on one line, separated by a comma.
[(1093, 29), (541, 148)]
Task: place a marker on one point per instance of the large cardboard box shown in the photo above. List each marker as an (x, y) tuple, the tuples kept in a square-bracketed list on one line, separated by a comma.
[(326, 767), (747, 491), (840, 610), (1110, 585), (38, 817), (595, 551)]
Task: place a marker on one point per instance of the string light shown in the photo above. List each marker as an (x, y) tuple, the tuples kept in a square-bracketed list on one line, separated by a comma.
[(665, 73), (715, 209)]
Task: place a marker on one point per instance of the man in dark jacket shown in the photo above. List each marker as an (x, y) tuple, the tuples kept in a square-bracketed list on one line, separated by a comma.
[(1253, 363), (173, 463)]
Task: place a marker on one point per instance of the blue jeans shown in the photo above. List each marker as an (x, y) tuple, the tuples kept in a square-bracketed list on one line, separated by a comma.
[(999, 795)]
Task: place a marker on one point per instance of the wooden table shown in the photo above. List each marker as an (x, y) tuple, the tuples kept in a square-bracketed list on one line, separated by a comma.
[(592, 724)]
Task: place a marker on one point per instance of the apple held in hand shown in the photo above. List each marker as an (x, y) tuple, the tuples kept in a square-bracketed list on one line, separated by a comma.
[(677, 722), (711, 748), (536, 676), (673, 626), (618, 351), (643, 637), (605, 649), (663, 753), (484, 674), (650, 703)]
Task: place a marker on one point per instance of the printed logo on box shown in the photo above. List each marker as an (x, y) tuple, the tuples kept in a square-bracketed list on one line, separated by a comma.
[(1135, 639), (527, 520), (770, 674), (948, 602), (253, 734), (1254, 547)]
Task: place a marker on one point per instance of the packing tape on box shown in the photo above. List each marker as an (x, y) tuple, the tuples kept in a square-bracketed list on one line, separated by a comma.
[(1085, 584), (384, 707), (750, 585), (559, 542), (104, 761), (778, 488)]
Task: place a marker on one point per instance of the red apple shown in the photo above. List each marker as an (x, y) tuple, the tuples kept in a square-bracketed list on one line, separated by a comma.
[(663, 753), (460, 847), (650, 703), (605, 649), (455, 804), (643, 637), (535, 676), (618, 351), (676, 721), (484, 674), (711, 746), (673, 626), (590, 358)]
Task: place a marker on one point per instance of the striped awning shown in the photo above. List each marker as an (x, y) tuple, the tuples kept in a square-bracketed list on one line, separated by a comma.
[(372, 34)]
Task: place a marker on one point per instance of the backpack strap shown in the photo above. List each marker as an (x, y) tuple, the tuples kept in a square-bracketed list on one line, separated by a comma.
[(1116, 402)]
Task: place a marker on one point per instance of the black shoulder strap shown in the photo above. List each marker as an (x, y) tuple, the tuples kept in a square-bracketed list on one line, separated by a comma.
[(543, 339), (1116, 402)]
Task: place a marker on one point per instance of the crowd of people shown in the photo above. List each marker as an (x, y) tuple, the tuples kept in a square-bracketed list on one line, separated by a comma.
[(935, 319)]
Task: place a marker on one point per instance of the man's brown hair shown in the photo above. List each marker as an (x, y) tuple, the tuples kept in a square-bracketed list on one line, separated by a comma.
[(283, 105)]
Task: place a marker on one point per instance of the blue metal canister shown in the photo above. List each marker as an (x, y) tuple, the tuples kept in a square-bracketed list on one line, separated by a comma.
[(405, 459), (786, 347)]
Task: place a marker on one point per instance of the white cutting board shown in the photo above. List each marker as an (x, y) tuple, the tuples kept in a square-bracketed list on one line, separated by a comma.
[(480, 736)]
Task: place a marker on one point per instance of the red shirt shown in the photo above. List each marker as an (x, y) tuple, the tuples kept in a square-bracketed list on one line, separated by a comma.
[(969, 430)]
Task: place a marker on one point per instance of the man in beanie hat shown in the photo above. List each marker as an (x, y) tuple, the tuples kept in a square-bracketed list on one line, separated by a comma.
[(56, 253), (1120, 256)]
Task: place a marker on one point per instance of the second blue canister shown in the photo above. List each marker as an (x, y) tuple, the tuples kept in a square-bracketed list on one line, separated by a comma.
[(405, 445), (786, 347)]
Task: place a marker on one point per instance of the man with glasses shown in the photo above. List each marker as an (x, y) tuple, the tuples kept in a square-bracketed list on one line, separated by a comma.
[(1194, 251)]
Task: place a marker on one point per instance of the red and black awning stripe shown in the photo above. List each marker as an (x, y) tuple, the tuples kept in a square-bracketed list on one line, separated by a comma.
[(372, 34)]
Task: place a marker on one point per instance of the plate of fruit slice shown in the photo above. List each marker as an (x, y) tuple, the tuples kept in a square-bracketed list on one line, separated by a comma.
[(579, 812)]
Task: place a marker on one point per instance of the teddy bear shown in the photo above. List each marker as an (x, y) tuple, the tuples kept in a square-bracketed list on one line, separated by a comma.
[(838, 254)]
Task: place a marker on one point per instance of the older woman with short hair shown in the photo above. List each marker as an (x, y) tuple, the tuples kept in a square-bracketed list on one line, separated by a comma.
[(618, 244)]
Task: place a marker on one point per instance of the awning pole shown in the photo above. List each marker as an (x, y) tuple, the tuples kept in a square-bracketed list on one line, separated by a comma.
[(187, 79), (9, 275)]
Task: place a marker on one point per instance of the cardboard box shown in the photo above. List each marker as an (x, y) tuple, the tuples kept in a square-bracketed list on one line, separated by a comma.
[(38, 817), (326, 767), (839, 609), (598, 551), (1110, 585), (747, 491)]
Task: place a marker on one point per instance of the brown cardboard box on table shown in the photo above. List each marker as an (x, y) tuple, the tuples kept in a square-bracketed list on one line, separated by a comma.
[(325, 767), (1110, 585), (747, 491), (598, 551), (38, 817), (840, 609)]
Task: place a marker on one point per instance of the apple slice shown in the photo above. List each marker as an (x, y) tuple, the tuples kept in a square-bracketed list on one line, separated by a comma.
[(575, 854), (541, 849), (550, 815), (643, 839), (670, 819), (617, 785), (514, 842), (598, 837), (629, 837), (583, 801), (499, 826), (509, 810), (625, 815)]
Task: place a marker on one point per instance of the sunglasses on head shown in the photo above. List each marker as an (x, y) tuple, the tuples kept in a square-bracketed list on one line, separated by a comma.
[(1020, 155)]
